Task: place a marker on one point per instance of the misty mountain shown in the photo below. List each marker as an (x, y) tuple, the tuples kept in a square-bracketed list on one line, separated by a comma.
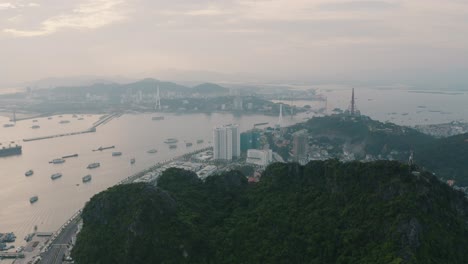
[(210, 88), (147, 85)]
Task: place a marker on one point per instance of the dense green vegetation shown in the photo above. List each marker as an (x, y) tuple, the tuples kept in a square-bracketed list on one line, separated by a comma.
[(447, 157), (372, 137), (324, 212), (362, 135)]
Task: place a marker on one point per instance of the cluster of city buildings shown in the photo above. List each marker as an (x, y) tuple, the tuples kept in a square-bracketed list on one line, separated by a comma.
[(229, 145)]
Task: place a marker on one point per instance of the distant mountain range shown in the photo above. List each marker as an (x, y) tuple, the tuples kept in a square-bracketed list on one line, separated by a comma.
[(147, 85)]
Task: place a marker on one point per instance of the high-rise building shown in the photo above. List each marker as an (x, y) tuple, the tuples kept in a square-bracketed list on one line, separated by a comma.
[(250, 140), (300, 146), (226, 142), (238, 103)]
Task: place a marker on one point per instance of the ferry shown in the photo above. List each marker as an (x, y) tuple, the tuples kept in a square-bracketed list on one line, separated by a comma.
[(28, 237), (33, 199), (56, 176), (70, 156), (171, 141), (57, 161), (35, 127), (156, 118), (172, 146), (117, 153), (103, 148), (87, 178), (199, 141), (10, 150), (132, 161), (152, 151), (94, 165), (29, 173)]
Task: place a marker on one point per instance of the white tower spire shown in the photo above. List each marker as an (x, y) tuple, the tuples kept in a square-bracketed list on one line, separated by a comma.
[(158, 99), (280, 118)]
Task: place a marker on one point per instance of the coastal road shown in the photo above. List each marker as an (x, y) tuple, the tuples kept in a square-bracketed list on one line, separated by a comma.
[(58, 248)]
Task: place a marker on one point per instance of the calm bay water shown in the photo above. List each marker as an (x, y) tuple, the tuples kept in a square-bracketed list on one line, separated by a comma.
[(399, 106), (133, 135), (403, 106)]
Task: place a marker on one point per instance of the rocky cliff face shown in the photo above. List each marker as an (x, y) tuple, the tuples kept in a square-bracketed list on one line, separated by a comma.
[(324, 212)]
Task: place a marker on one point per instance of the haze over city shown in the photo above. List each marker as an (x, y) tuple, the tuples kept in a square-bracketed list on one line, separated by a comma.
[(233, 131), (420, 43)]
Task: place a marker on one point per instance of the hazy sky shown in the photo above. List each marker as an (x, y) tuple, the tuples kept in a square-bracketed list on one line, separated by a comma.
[(399, 41)]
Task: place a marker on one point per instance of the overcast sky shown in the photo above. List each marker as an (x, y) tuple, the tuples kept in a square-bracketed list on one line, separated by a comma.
[(398, 41)]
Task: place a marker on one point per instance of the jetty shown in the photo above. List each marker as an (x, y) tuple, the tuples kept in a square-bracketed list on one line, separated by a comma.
[(92, 129), (103, 148)]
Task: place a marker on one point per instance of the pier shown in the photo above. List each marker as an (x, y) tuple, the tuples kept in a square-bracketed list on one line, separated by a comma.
[(92, 129)]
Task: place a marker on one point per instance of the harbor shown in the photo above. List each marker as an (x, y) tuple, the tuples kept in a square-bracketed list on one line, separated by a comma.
[(133, 135)]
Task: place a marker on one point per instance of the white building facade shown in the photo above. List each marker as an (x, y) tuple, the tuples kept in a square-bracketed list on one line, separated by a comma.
[(259, 157), (226, 141)]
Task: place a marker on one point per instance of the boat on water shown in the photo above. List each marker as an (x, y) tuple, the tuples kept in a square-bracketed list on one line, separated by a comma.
[(35, 127), (199, 141), (70, 156), (103, 148), (132, 161), (156, 118), (87, 178), (172, 146), (28, 237), (171, 140), (55, 176), (188, 144), (93, 165), (57, 161), (117, 153), (10, 150), (152, 151), (8, 125), (33, 199), (29, 173)]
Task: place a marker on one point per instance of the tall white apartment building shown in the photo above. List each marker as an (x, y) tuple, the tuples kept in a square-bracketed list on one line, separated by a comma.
[(226, 141)]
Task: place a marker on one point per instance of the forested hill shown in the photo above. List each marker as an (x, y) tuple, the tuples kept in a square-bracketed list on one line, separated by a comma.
[(324, 212), (362, 135)]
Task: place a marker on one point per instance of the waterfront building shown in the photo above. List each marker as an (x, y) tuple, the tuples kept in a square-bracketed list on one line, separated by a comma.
[(238, 103), (259, 157), (226, 141)]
